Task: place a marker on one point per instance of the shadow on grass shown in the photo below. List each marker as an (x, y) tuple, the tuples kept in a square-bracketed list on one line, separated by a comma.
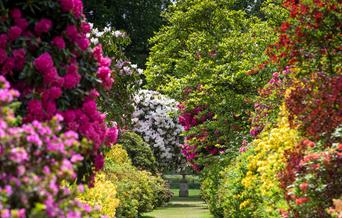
[(184, 205), (190, 198)]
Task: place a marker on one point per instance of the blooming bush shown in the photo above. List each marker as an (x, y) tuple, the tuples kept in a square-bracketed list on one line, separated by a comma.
[(138, 191), (265, 164), (205, 68), (118, 102), (312, 177), (154, 119), (36, 160), (102, 195), (49, 61), (293, 168)]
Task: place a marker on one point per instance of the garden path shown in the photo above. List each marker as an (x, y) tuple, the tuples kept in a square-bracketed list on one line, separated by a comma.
[(182, 207)]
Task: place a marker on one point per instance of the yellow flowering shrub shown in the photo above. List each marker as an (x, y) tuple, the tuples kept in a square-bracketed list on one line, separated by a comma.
[(138, 190), (103, 195), (231, 196), (117, 155), (265, 164)]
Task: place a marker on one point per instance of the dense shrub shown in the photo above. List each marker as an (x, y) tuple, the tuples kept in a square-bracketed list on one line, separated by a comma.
[(118, 102), (138, 191), (103, 196), (209, 188), (138, 151), (37, 161), (155, 120), (230, 194), (45, 55), (294, 165), (264, 166)]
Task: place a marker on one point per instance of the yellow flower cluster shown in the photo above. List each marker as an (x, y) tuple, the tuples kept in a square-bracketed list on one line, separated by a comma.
[(103, 194), (118, 155), (267, 161)]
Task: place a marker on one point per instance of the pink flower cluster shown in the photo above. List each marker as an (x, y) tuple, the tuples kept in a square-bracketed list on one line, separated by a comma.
[(192, 118), (191, 151), (35, 159), (91, 124), (104, 72), (62, 78), (73, 6)]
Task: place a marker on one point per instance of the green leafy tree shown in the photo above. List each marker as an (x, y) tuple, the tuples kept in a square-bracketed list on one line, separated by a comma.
[(202, 58), (140, 18)]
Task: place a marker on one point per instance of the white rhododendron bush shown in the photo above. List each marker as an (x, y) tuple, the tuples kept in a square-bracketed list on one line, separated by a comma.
[(155, 120)]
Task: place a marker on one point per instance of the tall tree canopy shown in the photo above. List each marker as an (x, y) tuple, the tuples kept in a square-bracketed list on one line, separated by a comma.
[(140, 18), (201, 57)]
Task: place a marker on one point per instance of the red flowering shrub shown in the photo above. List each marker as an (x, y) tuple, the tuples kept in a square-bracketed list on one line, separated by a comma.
[(309, 38), (45, 54), (312, 179), (316, 105), (311, 86)]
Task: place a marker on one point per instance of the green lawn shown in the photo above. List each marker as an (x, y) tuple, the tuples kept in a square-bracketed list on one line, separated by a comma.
[(191, 207)]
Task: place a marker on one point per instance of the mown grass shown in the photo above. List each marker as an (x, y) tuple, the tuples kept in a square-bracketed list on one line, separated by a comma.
[(181, 207)]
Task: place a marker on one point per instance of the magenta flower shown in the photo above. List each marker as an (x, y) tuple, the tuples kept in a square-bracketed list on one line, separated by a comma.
[(83, 43), (18, 155), (22, 23), (3, 56), (43, 26), (52, 78), (76, 158), (50, 108), (52, 94), (8, 66), (112, 136), (14, 32), (73, 6), (72, 78), (97, 52), (105, 62), (34, 139), (85, 27), (3, 40), (89, 107), (99, 162), (59, 42), (104, 72), (43, 63), (19, 57), (35, 109), (72, 32), (71, 81), (15, 13), (108, 83)]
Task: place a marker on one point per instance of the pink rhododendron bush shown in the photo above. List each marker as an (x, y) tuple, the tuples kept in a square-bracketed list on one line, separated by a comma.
[(45, 55), (37, 161)]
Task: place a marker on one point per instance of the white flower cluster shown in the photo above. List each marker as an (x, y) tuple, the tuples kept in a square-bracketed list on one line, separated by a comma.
[(96, 33), (127, 68), (124, 68), (153, 120)]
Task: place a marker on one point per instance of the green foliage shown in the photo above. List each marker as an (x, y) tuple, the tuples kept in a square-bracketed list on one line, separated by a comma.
[(118, 101), (140, 18), (210, 183), (139, 151), (138, 191), (202, 57)]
